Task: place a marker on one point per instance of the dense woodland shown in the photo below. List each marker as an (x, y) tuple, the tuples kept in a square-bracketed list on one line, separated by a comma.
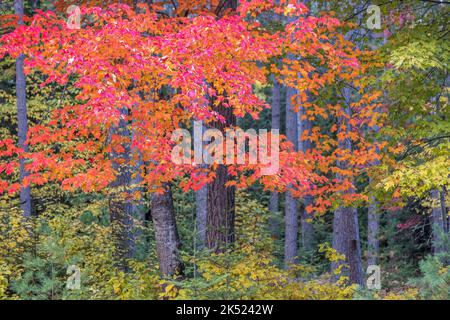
[(92, 207)]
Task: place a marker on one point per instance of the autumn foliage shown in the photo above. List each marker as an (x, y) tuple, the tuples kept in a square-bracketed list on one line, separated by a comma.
[(156, 73)]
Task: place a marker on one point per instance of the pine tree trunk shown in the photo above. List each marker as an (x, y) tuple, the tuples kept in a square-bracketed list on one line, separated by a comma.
[(22, 118), (291, 208), (166, 234)]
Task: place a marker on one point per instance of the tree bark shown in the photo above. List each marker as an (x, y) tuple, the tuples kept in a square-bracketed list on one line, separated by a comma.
[(221, 211), (346, 241), (166, 234), (291, 208), (22, 118)]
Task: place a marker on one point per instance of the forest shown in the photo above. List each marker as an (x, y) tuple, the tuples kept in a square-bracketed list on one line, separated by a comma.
[(224, 150)]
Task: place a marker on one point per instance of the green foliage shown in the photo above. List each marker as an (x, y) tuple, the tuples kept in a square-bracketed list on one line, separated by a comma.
[(435, 280)]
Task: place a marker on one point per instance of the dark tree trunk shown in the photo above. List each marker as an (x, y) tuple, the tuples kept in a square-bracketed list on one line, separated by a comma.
[(221, 209), (22, 118), (276, 108), (166, 234), (291, 208), (346, 241)]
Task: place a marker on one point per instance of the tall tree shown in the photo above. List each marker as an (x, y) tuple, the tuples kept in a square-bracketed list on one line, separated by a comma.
[(305, 125), (346, 239), (221, 202), (291, 207), (201, 196), (373, 210), (22, 117), (307, 229), (275, 108)]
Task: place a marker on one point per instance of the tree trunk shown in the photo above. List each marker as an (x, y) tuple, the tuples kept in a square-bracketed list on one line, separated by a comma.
[(201, 198), (22, 118), (439, 222), (307, 229), (166, 234), (373, 213), (346, 238), (346, 241), (373, 225), (276, 107), (444, 211), (120, 206), (201, 208), (291, 209), (221, 209)]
